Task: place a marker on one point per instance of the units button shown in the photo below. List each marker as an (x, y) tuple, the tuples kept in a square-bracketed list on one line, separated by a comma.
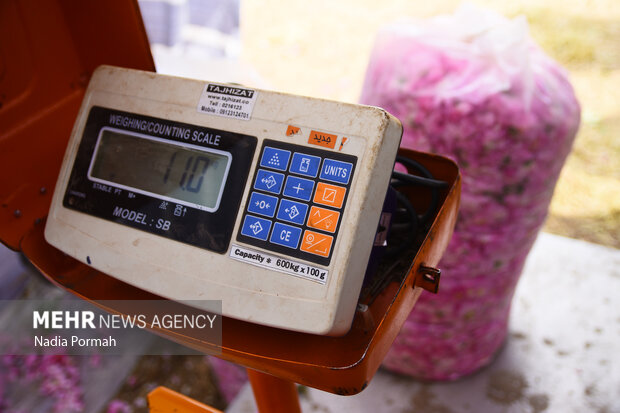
[(285, 235), (275, 158), (323, 219), (330, 195), (317, 243), (336, 171)]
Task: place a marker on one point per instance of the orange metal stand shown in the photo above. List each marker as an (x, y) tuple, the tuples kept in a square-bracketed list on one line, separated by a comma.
[(273, 394), (48, 52), (342, 365), (164, 400)]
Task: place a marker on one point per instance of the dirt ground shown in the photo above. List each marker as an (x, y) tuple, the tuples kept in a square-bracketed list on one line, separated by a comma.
[(188, 375)]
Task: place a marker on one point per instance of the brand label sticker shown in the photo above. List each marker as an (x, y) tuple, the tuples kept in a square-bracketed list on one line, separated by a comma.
[(228, 101), (284, 265)]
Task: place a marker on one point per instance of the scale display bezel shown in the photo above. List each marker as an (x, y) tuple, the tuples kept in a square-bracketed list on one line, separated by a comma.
[(208, 228), (153, 194)]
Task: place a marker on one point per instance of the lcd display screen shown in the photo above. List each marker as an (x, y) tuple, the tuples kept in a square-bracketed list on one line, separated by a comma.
[(178, 172)]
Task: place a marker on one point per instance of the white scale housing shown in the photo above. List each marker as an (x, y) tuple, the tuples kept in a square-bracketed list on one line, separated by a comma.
[(200, 191)]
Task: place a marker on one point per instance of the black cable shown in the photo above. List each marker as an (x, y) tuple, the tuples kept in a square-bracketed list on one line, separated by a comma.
[(427, 174), (412, 225), (412, 229), (414, 164), (418, 180)]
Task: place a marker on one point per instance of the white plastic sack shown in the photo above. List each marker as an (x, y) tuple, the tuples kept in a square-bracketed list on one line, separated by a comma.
[(473, 86)]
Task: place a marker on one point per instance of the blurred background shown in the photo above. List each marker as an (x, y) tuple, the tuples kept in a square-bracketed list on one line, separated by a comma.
[(321, 49)]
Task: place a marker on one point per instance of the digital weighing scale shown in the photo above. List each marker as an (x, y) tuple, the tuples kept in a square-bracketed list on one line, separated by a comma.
[(194, 190), (52, 60)]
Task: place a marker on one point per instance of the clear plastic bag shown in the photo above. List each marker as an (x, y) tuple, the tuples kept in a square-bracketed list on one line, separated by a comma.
[(474, 87)]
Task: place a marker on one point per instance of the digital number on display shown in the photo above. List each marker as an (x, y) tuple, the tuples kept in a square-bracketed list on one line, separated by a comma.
[(183, 173)]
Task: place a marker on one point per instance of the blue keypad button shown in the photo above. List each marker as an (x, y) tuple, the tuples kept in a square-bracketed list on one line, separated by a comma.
[(298, 188), (269, 181), (256, 227), (303, 164), (263, 204), (275, 158), (285, 235), (336, 171), (292, 211)]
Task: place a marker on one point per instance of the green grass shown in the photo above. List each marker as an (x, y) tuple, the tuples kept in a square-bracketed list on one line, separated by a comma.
[(586, 204), (577, 41)]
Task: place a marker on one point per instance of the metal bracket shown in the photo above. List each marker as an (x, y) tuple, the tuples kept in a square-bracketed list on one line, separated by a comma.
[(428, 278)]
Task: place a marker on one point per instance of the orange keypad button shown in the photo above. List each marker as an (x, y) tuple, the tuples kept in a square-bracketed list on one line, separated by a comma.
[(316, 243), (323, 219), (323, 139), (330, 195)]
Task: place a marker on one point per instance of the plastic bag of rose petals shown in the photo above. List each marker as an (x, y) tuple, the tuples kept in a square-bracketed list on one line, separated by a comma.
[(473, 86)]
